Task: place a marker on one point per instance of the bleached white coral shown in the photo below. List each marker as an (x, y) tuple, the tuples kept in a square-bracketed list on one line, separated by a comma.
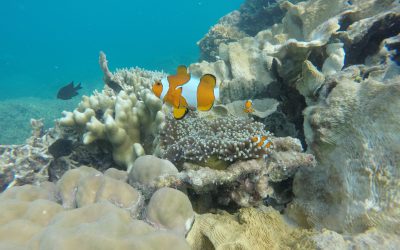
[(128, 120)]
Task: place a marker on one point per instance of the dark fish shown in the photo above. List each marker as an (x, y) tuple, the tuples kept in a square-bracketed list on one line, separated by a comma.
[(68, 91), (274, 70), (61, 147), (113, 85)]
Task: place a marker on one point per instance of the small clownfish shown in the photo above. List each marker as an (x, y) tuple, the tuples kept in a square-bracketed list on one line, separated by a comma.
[(248, 106), (263, 142), (182, 91)]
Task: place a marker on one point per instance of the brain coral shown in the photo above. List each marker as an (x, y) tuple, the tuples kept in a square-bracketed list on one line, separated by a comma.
[(171, 209), (197, 139), (88, 210), (147, 168)]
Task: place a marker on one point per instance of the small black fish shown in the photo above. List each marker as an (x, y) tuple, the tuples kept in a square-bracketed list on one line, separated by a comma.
[(113, 85), (68, 91), (61, 147)]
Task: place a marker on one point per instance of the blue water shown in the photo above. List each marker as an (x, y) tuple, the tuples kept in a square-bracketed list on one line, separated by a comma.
[(45, 44)]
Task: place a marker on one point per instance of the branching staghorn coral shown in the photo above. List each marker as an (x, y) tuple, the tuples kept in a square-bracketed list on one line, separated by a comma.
[(197, 139)]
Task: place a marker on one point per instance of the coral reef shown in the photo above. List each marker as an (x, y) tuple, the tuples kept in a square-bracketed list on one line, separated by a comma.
[(246, 183), (171, 209), (248, 72), (198, 139), (252, 17), (148, 167), (25, 164), (83, 186), (223, 32), (265, 228), (251, 228), (349, 124), (324, 72), (88, 210), (352, 123), (262, 108), (128, 119)]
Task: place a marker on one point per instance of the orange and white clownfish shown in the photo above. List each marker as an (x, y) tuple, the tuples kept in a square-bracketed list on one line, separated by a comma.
[(182, 91), (263, 142), (248, 106)]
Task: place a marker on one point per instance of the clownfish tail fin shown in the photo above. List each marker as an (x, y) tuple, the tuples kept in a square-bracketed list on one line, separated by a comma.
[(179, 113), (181, 70), (205, 92)]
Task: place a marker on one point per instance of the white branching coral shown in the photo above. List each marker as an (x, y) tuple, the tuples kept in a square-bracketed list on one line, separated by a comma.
[(128, 117)]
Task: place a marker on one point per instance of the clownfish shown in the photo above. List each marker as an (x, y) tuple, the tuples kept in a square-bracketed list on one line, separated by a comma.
[(263, 142), (182, 91), (248, 106)]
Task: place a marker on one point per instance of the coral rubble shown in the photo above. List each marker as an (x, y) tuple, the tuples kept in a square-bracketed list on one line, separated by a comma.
[(25, 164)]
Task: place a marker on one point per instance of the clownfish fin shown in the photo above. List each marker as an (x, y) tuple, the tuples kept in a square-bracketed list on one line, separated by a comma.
[(179, 113), (248, 106), (181, 70), (173, 97), (182, 102), (157, 88), (205, 92), (182, 109), (182, 76), (268, 144)]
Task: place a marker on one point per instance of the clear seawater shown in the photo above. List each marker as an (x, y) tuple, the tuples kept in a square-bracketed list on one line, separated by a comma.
[(45, 44)]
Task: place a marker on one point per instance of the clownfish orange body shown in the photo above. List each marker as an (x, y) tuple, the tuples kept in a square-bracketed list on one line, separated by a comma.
[(248, 106), (263, 142), (182, 91)]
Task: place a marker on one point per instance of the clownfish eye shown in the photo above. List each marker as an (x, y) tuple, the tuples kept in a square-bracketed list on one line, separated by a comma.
[(157, 88)]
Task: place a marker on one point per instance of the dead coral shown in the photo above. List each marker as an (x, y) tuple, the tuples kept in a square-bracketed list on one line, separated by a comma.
[(25, 164)]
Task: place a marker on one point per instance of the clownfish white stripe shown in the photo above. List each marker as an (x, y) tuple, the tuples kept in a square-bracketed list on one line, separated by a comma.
[(266, 143), (182, 91), (256, 139), (165, 86), (189, 90)]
